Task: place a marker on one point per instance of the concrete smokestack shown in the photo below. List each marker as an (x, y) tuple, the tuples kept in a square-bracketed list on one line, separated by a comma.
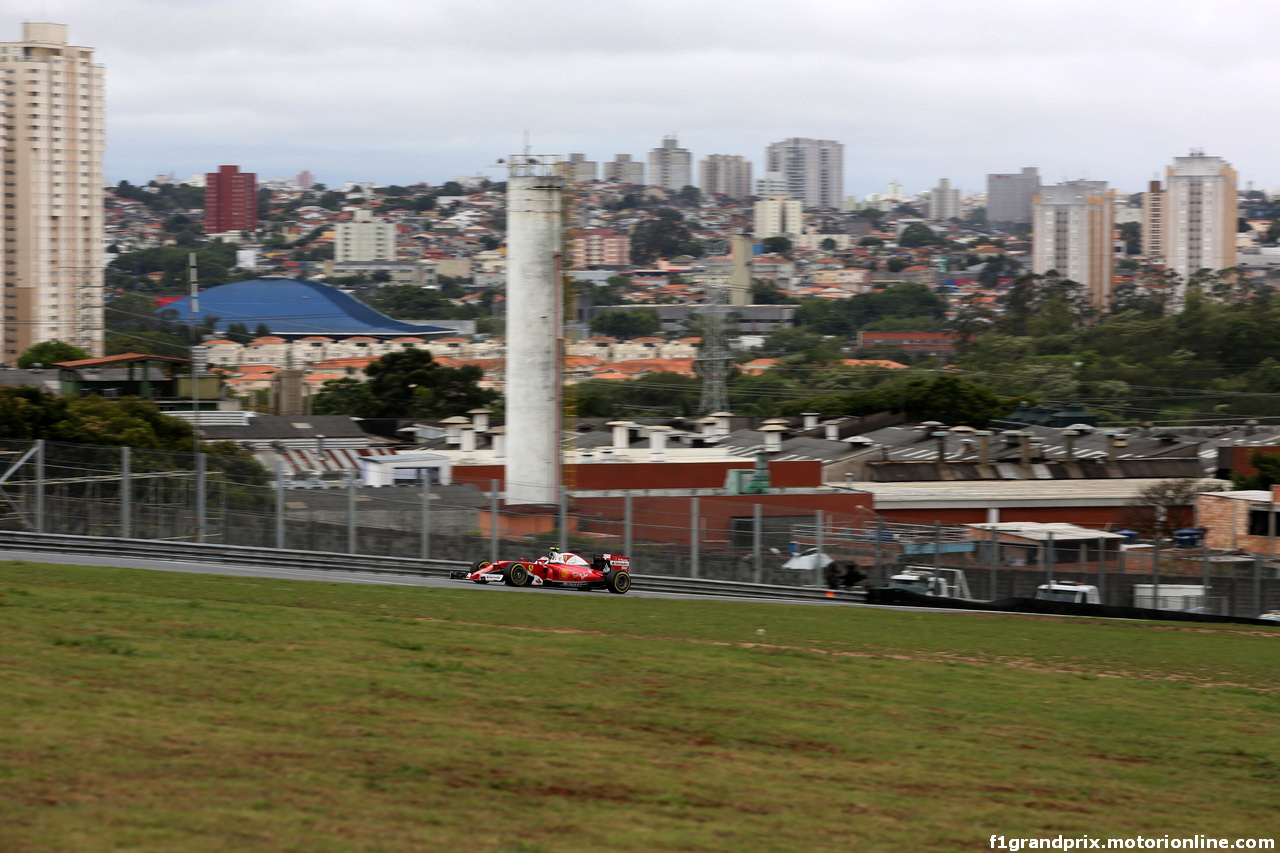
[(535, 214)]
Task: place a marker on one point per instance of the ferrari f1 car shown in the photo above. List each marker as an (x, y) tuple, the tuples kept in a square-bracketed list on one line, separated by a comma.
[(556, 569)]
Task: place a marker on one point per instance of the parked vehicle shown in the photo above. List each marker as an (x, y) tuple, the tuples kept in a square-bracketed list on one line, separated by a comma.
[(926, 580), (1068, 591), (555, 569)]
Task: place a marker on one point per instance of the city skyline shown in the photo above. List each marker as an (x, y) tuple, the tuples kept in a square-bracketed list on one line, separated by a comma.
[(447, 88)]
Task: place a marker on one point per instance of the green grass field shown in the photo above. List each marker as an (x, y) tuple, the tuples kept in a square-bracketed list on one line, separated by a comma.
[(144, 711)]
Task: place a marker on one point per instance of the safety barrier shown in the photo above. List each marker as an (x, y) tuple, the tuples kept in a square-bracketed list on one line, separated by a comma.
[(251, 557)]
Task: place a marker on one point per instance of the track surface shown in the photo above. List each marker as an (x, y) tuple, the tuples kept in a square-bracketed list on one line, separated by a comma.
[(330, 576)]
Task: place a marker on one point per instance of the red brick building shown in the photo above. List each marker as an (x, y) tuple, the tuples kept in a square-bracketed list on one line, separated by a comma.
[(927, 343), (230, 200)]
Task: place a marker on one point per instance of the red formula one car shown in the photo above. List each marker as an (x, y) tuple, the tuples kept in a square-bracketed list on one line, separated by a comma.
[(557, 569)]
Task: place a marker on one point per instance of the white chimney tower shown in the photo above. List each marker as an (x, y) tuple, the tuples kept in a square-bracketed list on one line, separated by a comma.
[(535, 213)]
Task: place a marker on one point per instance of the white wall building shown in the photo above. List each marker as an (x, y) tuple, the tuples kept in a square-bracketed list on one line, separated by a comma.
[(812, 168), (725, 174), (778, 216), (623, 170), (1071, 227), (363, 238), (670, 167), (1199, 214), (944, 202), (52, 134)]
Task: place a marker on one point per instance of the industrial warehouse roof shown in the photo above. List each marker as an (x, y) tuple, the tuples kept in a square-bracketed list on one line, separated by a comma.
[(294, 307)]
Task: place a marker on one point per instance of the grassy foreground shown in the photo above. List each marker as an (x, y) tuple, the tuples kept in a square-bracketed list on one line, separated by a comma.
[(144, 711)]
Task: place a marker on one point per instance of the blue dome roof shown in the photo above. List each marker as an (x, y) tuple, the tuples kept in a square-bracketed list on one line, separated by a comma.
[(291, 306)]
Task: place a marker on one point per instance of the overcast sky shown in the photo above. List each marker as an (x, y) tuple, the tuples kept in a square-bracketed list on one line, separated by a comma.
[(400, 91)]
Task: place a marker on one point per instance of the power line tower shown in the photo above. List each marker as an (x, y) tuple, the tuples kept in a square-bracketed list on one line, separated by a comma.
[(714, 358)]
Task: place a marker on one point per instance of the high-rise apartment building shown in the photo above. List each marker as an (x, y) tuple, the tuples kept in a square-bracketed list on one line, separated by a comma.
[(812, 168), (1071, 233), (623, 170), (778, 216), (305, 180), (581, 169), (1153, 222), (725, 174), (363, 238), (670, 167), (944, 202), (1199, 214), (600, 247), (230, 201), (1009, 196), (51, 140)]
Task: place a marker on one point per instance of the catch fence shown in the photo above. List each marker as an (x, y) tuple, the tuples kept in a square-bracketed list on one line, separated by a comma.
[(56, 487)]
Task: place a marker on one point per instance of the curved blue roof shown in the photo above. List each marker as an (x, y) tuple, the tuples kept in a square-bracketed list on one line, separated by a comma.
[(291, 306)]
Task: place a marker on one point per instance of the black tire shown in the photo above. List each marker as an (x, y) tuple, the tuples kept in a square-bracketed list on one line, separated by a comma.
[(518, 575), (618, 582), (477, 566)]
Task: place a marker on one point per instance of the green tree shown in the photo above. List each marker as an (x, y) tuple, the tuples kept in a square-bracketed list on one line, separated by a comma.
[(633, 323), (50, 353), (917, 234), (408, 384), (345, 397), (776, 245), (1267, 472), (660, 237)]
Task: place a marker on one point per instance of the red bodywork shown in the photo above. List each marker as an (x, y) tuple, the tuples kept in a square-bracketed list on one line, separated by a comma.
[(562, 569)]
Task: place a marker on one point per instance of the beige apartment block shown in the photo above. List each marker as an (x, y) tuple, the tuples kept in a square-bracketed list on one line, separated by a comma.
[(51, 138), (1199, 214), (725, 174), (1071, 226), (363, 238)]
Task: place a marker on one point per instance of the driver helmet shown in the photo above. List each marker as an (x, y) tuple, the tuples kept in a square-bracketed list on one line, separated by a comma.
[(554, 551)]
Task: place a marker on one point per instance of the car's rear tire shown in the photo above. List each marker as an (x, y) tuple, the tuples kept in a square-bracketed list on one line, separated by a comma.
[(518, 575), (477, 566), (618, 582)]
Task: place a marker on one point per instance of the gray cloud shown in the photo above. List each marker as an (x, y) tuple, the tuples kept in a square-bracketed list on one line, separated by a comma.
[(407, 90)]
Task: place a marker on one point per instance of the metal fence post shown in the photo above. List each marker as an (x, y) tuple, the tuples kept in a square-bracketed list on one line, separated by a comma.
[(424, 537), (937, 546), (1102, 571), (695, 537), (993, 558), (1155, 574), (757, 531), (626, 526), (126, 493), (493, 521), (39, 485), (1257, 586), (200, 497), (280, 507), (563, 521), (1204, 576), (1046, 554), (819, 523), (879, 543), (351, 512)]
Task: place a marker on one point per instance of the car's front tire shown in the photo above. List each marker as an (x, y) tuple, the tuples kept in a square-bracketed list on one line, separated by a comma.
[(477, 566), (518, 575)]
